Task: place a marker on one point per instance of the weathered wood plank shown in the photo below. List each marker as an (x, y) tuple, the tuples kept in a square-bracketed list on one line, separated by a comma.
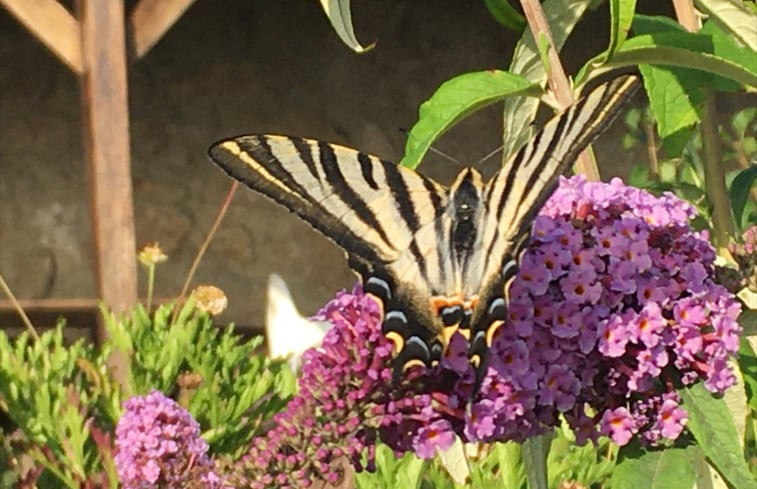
[(53, 25), (105, 101), (151, 19)]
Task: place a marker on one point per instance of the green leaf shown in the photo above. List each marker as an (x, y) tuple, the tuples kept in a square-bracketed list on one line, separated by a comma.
[(742, 120), (519, 112), (454, 100), (621, 16), (535, 450), (505, 14), (748, 366), (735, 17), (340, 16), (672, 468), (748, 321), (712, 426), (681, 49), (739, 191)]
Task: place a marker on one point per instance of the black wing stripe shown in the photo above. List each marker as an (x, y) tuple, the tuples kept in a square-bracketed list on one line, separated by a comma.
[(305, 152), (407, 210), (404, 202), (346, 193), (366, 168), (239, 164)]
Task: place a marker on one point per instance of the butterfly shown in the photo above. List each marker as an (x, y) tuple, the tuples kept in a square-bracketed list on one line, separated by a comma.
[(439, 260)]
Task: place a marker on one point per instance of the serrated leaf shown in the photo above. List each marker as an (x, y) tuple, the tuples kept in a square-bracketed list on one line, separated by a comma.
[(672, 468), (735, 17), (739, 192), (340, 16), (674, 107), (519, 112), (621, 16), (454, 100), (711, 424), (505, 14)]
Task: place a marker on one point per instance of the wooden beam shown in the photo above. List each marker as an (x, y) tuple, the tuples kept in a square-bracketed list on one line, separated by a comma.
[(151, 19), (53, 25), (65, 304), (105, 102)]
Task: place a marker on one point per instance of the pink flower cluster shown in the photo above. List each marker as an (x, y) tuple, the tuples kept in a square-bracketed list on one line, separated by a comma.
[(614, 308), (158, 444)]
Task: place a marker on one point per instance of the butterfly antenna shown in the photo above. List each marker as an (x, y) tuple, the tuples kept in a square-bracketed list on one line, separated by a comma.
[(491, 154), (432, 149)]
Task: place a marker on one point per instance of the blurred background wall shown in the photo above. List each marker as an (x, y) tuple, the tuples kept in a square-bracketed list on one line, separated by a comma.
[(229, 67)]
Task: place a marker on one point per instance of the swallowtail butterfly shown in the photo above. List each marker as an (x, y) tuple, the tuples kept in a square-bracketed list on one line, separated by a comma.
[(439, 260)]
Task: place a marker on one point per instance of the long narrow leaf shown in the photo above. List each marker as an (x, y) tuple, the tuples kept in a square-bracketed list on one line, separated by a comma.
[(735, 17), (519, 112), (340, 16), (621, 17), (506, 14), (668, 49)]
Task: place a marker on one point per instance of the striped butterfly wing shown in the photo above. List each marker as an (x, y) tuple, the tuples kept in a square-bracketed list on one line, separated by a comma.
[(516, 193), (387, 218)]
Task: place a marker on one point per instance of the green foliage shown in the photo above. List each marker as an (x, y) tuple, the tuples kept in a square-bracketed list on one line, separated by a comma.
[(673, 468), (711, 425), (233, 386), (680, 166), (65, 402), (499, 466), (456, 99), (59, 396), (505, 14)]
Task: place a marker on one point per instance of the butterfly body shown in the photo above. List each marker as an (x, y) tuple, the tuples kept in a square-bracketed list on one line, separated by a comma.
[(439, 260)]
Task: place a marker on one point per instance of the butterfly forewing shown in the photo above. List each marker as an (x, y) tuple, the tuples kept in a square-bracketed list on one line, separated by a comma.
[(439, 261), (387, 218)]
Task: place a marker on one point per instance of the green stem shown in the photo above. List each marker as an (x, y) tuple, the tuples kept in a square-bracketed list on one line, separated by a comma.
[(714, 176), (150, 285)]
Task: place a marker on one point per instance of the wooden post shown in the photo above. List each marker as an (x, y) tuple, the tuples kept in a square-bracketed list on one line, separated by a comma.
[(150, 19), (105, 102)]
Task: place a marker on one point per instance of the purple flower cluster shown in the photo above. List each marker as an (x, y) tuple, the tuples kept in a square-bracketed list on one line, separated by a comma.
[(345, 389), (158, 444), (613, 309)]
